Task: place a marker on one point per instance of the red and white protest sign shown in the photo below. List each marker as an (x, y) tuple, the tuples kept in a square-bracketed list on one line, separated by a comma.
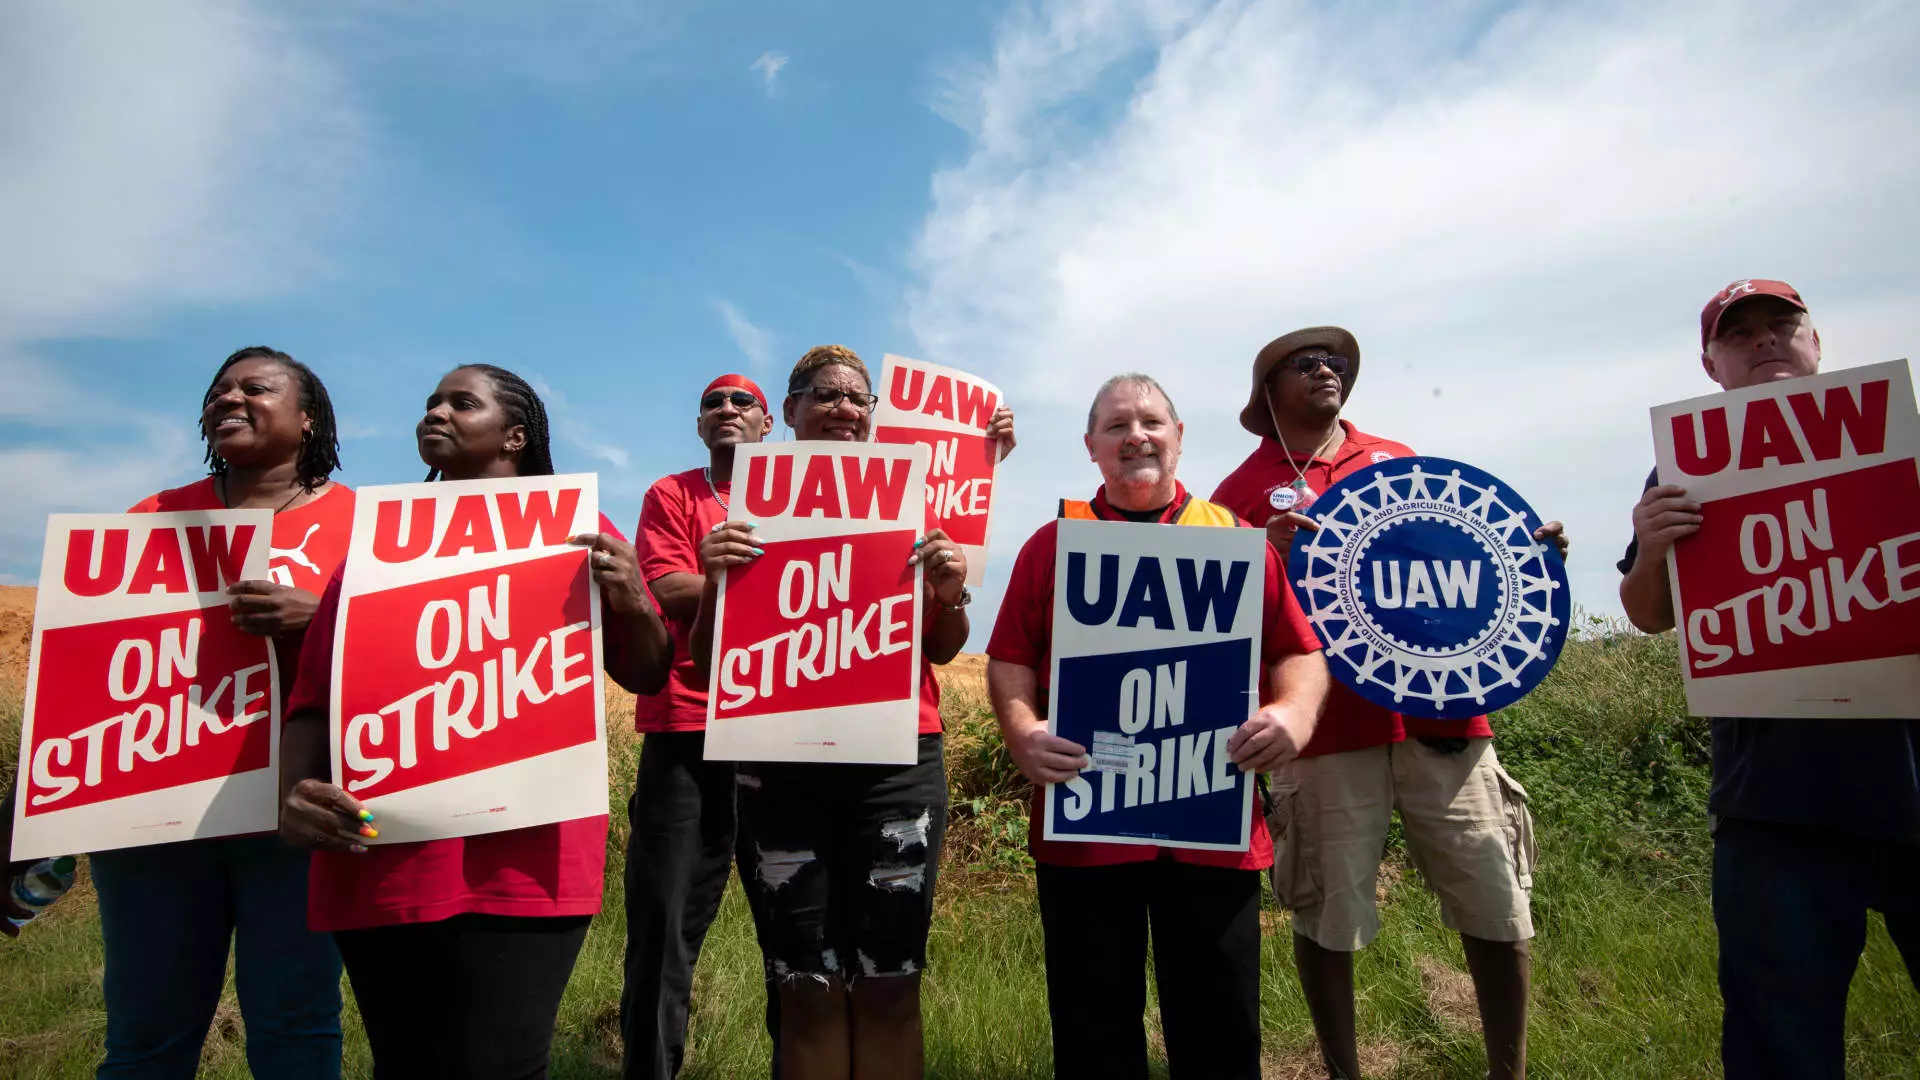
[(149, 717), (946, 411), (1794, 597), (816, 653), (466, 664)]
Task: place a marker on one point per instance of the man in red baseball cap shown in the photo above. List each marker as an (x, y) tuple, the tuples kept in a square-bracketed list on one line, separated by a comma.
[(1814, 821), (684, 839), (1466, 821)]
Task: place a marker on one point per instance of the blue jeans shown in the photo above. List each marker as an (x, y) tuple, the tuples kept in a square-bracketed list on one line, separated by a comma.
[(1790, 903), (167, 913)]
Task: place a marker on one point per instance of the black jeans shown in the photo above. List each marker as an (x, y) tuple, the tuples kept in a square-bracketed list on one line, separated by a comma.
[(848, 858), (682, 848), (1206, 955), (1790, 903), (472, 997)]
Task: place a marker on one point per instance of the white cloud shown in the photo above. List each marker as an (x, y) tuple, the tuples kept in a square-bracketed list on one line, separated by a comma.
[(1519, 213), (579, 433), (156, 156), (769, 66), (753, 340)]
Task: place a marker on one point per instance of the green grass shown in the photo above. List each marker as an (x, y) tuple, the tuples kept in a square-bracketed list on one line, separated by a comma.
[(1623, 962)]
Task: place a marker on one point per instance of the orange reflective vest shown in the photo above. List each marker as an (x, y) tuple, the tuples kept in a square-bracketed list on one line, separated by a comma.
[(1192, 512)]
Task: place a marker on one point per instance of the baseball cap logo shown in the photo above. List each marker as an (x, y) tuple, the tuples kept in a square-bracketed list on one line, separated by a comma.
[(1737, 290)]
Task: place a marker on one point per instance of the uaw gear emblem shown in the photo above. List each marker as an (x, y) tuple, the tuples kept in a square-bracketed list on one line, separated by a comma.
[(1428, 590)]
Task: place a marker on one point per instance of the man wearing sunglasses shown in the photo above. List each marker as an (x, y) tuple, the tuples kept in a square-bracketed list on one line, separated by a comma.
[(682, 811), (1465, 820)]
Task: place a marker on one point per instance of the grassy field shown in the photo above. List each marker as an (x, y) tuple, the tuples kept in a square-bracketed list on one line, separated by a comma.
[(1624, 960)]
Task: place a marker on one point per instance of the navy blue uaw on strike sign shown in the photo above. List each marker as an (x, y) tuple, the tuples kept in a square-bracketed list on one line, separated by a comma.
[(1428, 590), (1156, 647)]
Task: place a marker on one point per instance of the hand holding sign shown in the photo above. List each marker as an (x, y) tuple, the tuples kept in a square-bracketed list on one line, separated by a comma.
[(1663, 517), (616, 569), (1281, 527), (316, 814), (730, 543), (1270, 738), (265, 609), (946, 566), (1000, 430)]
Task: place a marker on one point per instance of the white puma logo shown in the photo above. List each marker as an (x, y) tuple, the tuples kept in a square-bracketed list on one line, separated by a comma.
[(296, 555)]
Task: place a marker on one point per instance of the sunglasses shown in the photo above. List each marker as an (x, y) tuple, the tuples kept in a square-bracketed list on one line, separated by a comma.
[(829, 397), (1307, 365), (740, 398)]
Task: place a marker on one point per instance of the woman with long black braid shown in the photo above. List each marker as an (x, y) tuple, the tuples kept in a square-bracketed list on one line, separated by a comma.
[(169, 911), (459, 949)]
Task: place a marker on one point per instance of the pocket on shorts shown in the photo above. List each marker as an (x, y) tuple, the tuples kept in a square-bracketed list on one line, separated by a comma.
[(1295, 884), (1519, 825)]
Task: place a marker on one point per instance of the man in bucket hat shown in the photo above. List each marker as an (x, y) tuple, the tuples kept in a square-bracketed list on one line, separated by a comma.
[(1813, 821), (1466, 821)]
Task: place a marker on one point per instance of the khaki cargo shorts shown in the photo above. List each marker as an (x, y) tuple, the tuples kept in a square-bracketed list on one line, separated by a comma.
[(1466, 824)]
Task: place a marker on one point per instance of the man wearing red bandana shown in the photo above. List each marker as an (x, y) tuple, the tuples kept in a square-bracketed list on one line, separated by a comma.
[(683, 842)]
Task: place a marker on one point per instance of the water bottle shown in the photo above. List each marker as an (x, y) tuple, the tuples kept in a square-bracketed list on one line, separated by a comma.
[(39, 885)]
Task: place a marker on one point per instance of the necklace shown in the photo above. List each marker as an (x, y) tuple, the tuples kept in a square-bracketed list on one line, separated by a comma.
[(228, 503), (712, 490), (1300, 477)]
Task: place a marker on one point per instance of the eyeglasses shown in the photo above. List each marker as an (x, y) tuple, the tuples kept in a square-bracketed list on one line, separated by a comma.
[(1307, 365), (740, 398), (828, 397)]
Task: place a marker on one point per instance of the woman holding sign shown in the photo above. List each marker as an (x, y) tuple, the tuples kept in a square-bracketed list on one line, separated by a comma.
[(848, 853), (169, 911), (459, 948)]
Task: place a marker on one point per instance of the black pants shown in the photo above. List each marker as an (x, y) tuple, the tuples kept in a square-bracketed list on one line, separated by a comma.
[(682, 848), (1206, 955), (1790, 903), (848, 859), (472, 997)]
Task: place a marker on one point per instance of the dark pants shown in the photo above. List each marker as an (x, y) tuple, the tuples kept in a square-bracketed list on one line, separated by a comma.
[(848, 859), (682, 848), (1790, 903), (167, 913), (472, 997), (1206, 955)]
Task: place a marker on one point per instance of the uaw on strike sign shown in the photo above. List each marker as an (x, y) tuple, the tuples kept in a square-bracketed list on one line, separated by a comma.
[(466, 664), (1156, 654), (816, 650), (149, 717), (947, 411), (1795, 597)]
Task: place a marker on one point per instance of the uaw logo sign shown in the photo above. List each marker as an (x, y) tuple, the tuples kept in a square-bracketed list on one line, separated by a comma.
[(1427, 588)]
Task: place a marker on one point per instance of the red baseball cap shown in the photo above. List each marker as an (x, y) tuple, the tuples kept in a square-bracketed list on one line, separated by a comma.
[(1744, 289), (736, 382)]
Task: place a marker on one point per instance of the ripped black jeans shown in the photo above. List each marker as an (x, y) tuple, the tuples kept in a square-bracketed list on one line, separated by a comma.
[(848, 855)]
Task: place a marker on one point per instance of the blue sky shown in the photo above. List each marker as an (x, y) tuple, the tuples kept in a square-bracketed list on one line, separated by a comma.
[(1518, 209)]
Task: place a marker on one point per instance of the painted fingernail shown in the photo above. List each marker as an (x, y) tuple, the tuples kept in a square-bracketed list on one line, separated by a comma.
[(358, 849), (369, 832), (366, 814), (920, 541), (758, 551)]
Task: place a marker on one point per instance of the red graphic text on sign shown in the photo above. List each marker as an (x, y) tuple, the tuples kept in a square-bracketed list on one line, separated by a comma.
[(1814, 573), (144, 704), (465, 673), (818, 624), (959, 479)]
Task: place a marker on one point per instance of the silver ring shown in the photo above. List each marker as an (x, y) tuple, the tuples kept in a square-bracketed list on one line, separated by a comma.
[(602, 559), (947, 555)]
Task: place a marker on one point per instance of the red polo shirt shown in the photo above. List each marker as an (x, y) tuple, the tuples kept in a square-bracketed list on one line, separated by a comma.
[(1023, 634), (678, 512), (1351, 722)]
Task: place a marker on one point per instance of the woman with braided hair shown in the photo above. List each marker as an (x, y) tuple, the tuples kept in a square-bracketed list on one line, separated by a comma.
[(169, 912), (459, 949)]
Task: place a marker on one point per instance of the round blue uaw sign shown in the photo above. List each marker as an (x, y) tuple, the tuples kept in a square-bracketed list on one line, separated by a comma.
[(1427, 588)]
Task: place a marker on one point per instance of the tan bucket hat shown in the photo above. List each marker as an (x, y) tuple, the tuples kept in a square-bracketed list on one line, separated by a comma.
[(1256, 417)]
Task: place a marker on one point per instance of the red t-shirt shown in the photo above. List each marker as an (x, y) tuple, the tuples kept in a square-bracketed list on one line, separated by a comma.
[(551, 870), (677, 514), (1351, 722), (1023, 634), (308, 543)]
